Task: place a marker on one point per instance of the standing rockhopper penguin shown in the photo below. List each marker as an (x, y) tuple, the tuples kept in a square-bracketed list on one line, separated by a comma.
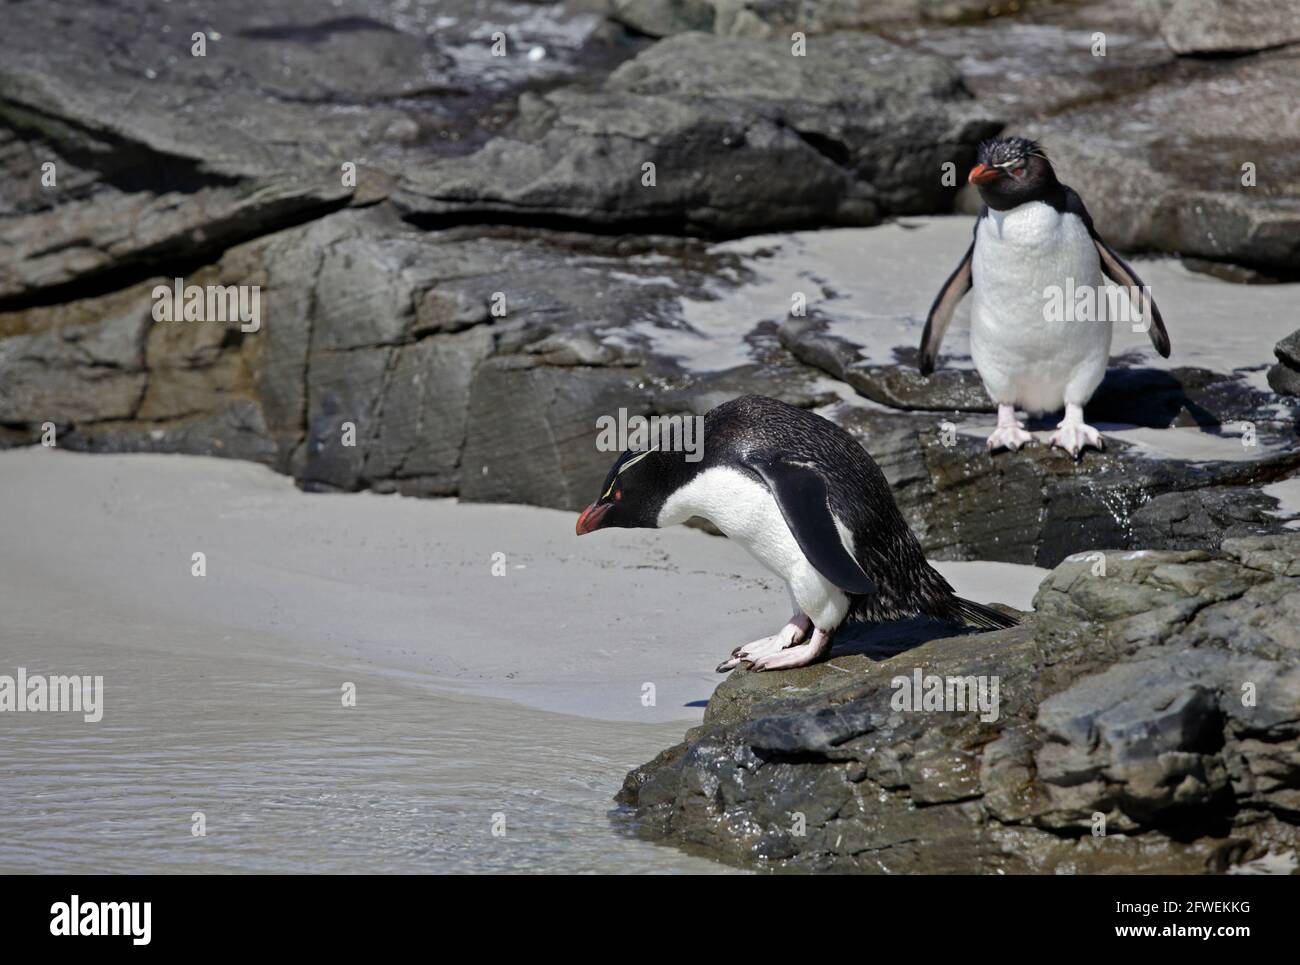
[(808, 503), (1032, 235)]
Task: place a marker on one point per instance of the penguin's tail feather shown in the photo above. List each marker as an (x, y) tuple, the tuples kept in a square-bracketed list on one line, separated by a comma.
[(984, 617)]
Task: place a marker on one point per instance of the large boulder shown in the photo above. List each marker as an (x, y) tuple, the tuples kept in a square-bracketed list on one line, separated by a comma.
[(771, 18), (1284, 375), (723, 136), (1045, 61), (1230, 26), (165, 153), (1143, 719), (1204, 164)]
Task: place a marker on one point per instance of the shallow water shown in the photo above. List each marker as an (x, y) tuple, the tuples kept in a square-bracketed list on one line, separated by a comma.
[(289, 780)]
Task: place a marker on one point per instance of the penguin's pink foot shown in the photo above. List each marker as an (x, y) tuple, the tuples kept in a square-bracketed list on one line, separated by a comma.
[(1073, 434), (797, 656), (1009, 434), (796, 631), (1009, 437)]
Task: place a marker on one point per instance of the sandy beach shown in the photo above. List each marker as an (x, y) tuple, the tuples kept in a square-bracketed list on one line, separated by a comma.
[(223, 692)]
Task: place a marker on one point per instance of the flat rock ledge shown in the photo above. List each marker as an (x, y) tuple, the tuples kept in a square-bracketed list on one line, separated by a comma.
[(1147, 721)]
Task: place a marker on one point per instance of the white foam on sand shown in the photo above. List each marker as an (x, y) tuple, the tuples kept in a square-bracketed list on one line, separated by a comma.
[(1287, 494), (389, 585)]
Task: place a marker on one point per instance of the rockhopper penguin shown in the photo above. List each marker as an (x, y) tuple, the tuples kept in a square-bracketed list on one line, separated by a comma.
[(808, 503), (1033, 233)]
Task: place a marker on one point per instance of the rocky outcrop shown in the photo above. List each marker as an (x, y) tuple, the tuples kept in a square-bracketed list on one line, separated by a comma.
[(476, 362), (1061, 56), (1159, 183), (370, 367), (722, 136), (1230, 26), (1145, 720), (1174, 154), (164, 158), (1284, 376), (198, 129), (771, 18)]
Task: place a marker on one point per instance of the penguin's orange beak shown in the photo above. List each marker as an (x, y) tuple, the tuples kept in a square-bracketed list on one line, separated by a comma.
[(590, 517), (982, 174)]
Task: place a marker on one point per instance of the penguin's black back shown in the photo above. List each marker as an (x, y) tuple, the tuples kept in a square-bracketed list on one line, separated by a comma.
[(859, 496)]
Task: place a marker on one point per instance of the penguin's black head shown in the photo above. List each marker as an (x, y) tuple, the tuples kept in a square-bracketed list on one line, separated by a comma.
[(634, 491), (1012, 171)]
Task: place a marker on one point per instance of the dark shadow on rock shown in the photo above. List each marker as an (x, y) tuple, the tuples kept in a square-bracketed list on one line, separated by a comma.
[(1159, 399), (880, 641)]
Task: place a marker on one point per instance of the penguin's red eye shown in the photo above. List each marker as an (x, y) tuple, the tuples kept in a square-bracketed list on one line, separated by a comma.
[(618, 494), (1018, 172)]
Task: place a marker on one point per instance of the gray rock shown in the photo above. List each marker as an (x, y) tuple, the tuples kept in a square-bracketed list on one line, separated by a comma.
[(742, 136), (531, 428), (1284, 377), (1182, 520), (1051, 56), (1171, 177), (771, 18), (1288, 350), (423, 414), (384, 335), (1230, 26), (76, 362), (663, 18), (166, 158), (899, 386), (1120, 711)]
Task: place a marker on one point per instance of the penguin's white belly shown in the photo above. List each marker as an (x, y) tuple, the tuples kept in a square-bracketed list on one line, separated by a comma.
[(746, 511), (1024, 357)]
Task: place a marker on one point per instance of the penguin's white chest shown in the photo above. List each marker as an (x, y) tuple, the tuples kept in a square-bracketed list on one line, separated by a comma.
[(746, 511), (1027, 262)]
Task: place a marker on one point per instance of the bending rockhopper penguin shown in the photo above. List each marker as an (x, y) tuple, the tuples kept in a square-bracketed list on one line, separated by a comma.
[(808, 503), (1034, 235)]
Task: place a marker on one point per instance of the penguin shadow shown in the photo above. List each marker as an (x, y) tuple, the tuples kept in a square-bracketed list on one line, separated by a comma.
[(880, 641), (1153, 399), (1156, 398)]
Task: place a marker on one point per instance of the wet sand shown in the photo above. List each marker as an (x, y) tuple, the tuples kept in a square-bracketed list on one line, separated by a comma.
[(519, 698)]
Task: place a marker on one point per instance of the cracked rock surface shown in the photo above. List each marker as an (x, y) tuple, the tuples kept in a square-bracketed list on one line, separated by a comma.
[(1151, 695)]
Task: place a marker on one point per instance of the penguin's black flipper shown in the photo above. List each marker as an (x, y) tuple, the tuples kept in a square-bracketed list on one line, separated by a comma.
[(945, 303), (801, 495), (1119, 271)]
